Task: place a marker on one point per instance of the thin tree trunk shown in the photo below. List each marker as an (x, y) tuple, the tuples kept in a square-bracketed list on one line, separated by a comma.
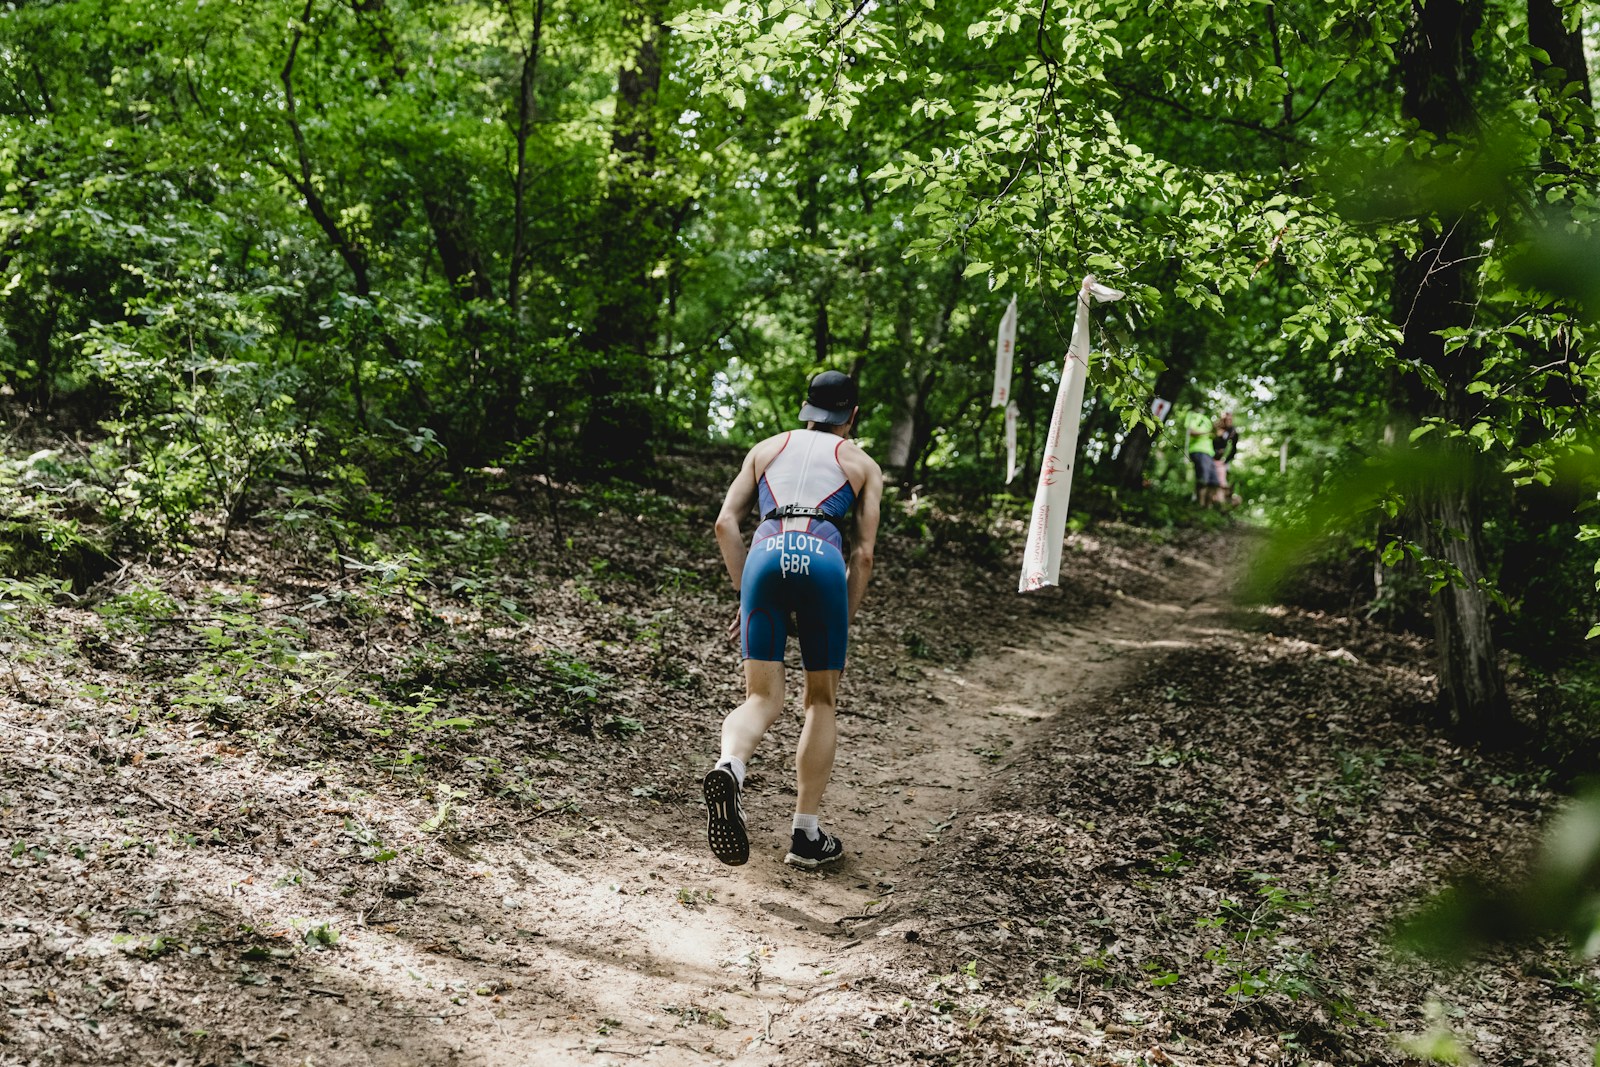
[(525, 115), (1435, 290), (1134, 455), (619, 430), (819, 328), (921, 423), (1547, 31), (354, 256), (349, 248)]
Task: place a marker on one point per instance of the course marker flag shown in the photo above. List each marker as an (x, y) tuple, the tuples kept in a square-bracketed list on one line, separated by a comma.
[(1005, 346), (1011, 440), (1041, 560)]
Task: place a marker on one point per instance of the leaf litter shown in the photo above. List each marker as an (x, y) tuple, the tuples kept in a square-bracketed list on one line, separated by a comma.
[(446, 810)]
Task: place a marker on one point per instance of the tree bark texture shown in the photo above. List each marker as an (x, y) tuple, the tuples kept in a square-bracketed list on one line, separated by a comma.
[(1436, 289), (1547, 30)]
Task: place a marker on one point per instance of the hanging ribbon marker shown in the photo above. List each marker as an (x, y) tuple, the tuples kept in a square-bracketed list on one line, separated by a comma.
[(1011, 441), (1004, 348), (1041, 560)]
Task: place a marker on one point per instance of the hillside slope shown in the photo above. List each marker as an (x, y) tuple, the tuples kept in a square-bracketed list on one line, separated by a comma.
[(439, 803)]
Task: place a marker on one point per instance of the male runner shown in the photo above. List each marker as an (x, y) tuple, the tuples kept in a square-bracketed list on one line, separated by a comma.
[(805, 482)]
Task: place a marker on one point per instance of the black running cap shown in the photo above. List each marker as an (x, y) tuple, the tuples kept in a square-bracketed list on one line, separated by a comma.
[(830, 400)]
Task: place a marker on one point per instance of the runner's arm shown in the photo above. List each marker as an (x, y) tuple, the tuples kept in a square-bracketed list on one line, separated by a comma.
[(866, 537), (735, 505)]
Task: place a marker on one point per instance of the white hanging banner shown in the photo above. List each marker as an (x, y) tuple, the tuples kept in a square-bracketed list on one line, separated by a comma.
[(1004, 348), (1011, 440), (1041, 560)]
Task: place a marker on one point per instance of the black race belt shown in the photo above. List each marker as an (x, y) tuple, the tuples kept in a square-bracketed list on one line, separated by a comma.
[(801, 511)]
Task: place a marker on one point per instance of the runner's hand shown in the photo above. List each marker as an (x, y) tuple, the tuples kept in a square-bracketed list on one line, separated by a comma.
[(733, 629)]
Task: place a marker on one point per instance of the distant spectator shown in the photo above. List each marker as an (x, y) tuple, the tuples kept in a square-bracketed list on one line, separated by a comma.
[(1197, 433), (1224, 446)]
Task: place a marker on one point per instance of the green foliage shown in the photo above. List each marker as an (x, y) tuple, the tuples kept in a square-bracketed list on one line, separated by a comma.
[(301, 267), (40, 534), (247, 660)]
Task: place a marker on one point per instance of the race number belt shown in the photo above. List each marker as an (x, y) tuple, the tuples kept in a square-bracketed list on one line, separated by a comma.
[(801, 511)]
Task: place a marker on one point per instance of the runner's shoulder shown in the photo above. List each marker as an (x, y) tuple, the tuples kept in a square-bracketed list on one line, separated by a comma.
[(853, 455), (763, 452)]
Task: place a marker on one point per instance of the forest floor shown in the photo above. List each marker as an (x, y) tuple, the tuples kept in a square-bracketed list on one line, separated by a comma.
[(442, 806)]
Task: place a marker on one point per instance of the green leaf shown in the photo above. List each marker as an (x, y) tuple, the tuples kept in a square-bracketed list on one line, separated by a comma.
[(975, 269)]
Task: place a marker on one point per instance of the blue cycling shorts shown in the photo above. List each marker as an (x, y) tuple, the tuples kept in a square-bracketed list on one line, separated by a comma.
[(802, 574)]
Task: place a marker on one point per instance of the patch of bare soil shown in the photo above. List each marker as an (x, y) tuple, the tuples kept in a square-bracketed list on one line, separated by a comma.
[(442, 807)]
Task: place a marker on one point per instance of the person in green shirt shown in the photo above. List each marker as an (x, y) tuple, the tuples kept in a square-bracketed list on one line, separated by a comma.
[(1197, 434)]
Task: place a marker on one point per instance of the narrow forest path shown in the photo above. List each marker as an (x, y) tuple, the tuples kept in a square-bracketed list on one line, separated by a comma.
[(255, 818), (651, 949), (1116, 822)]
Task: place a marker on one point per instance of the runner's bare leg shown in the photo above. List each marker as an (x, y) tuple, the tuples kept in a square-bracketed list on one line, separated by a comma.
[(745, 725), (818, 738)]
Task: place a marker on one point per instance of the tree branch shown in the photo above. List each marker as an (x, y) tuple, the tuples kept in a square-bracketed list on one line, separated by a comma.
[(525, 116), (354, 257)]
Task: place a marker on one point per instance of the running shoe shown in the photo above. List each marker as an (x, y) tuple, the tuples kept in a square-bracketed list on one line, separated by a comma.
[(725, 818), (804, 852)]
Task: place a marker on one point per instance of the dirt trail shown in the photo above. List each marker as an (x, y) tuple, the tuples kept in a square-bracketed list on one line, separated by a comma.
[(214, 867), (194, 895), (657, 951)]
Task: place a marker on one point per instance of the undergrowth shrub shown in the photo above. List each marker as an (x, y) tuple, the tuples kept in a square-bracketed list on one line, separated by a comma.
[(39, 534)]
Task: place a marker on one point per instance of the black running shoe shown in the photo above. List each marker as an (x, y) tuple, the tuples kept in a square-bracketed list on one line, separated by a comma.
[(804, 852), (724, 818)]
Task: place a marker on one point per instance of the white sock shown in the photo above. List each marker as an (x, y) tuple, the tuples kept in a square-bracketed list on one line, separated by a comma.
[(808, 823), (736, 765)]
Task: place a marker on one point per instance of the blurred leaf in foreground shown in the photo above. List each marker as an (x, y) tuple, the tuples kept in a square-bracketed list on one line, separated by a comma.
[(1558, 894)]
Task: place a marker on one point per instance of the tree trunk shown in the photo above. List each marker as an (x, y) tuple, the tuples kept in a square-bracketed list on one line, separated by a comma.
[(1470, 686), (1134, 455), (1547, 30), (619, 430), (911, 430), (349, 247), (902, 401), (819, 328), (32, 326), (449, 217), (1435, 290), (519, 191), (897, 452)]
